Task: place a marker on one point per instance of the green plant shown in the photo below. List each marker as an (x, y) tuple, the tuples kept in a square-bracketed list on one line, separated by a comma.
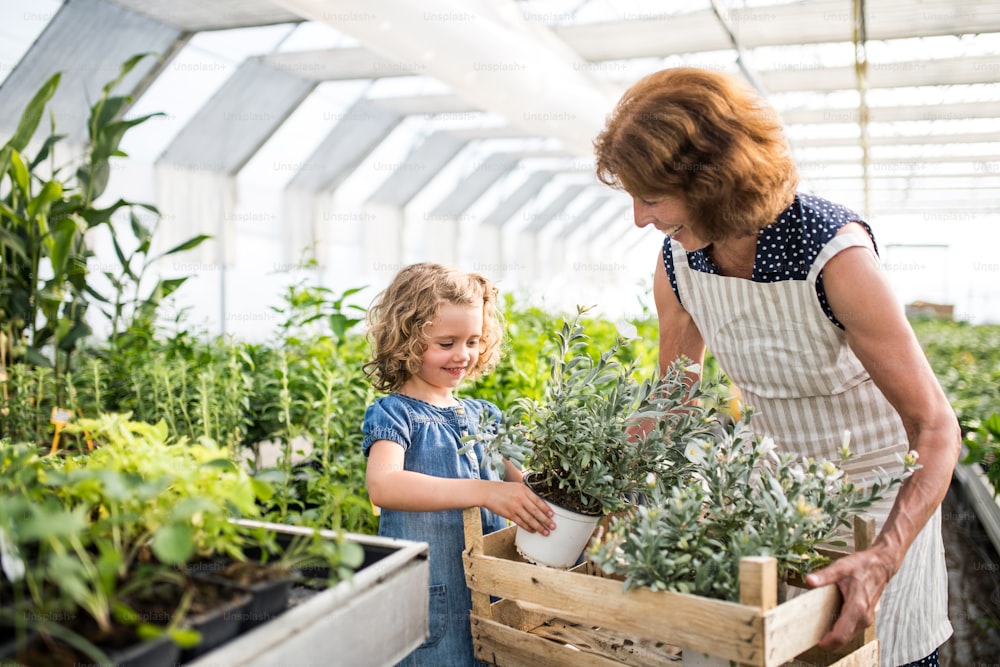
[(588, 442), (174, 499), (982, 442), (99, 534), (738, 498), (46, 213), (966, 360)]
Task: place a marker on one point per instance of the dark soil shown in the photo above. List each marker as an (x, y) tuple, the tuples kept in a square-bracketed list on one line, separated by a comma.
[(156, 606), (973, 586), (561, 497)]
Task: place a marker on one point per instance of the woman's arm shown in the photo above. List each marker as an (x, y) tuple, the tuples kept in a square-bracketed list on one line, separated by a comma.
[(879, 334), (392, 487), (678, 333)]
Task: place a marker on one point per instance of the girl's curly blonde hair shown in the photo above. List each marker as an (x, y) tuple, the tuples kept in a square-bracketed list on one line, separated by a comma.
[(399, 314)]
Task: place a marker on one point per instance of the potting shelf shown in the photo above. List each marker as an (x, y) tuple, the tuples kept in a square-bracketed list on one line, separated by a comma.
[(579, 618), (334, 626)]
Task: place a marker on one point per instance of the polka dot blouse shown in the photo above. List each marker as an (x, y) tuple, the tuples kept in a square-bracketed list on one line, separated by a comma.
[(787, 248)]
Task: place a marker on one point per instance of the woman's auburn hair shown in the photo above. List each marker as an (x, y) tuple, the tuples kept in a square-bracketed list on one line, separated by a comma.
[(399, 315), (704, 137)]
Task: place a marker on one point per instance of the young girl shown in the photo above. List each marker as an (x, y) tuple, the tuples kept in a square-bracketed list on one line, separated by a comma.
[(430, 329)]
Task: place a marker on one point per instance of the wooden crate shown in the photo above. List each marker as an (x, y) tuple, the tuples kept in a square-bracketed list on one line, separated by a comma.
[(546, 616)]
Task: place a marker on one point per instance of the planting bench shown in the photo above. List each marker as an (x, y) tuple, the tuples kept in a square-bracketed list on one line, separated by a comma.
[(335, 626), (578, 617)]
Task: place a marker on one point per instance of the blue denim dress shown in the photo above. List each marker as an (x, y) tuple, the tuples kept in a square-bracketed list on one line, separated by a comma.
[(430, 437)]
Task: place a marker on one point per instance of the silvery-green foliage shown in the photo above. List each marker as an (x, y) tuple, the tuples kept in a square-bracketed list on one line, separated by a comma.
[(738, 498), (582, 437)]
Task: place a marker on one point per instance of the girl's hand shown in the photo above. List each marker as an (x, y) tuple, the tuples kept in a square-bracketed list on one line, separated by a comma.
[(515, 501)]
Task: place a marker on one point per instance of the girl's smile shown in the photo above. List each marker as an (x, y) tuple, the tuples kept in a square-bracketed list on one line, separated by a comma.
[(452, 349)]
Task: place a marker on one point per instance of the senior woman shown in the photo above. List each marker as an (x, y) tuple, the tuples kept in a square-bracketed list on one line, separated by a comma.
[(786, 291)]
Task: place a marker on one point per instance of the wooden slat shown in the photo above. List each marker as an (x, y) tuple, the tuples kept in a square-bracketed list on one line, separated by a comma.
[(612, 645), (796, 625), (510, 613), (496, 644), (864, 656), (759, 582), (721, 628), (474, 545)]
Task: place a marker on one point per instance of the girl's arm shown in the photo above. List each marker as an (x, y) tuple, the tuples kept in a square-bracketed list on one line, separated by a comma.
[(392, 487)]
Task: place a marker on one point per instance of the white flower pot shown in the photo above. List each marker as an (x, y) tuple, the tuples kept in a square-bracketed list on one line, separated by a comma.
[(563, 546), (699, 659)]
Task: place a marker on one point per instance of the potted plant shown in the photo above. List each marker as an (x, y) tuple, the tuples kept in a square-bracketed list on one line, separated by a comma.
[(739, 499), (594, 438)]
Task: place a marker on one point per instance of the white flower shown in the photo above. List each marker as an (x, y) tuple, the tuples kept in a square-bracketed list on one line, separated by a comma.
[(695, 451), (829, 471), (693, 368), (768, 447), (910, 459), (845, 445), (626, 329), (650, 479), (806, 509), (13, 566)]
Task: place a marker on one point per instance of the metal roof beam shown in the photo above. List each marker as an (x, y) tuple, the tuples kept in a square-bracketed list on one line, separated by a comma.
[(912, 73), (199, 15), (494, 64), (554, 210), (86, 40), (249, 107), (901, 140), (475, 184), (924, 112), (338, 64), (359, 130), (513, 203), (419, 167), (776, 25)]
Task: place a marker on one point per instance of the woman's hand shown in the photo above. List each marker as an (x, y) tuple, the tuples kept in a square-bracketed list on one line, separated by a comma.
[(861, 578)]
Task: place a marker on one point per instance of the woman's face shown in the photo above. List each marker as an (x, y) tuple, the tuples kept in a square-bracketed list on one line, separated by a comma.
[(670, 216)]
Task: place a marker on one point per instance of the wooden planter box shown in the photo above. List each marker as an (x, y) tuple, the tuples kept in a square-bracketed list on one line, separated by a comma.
[(575, 617), (390, 590)]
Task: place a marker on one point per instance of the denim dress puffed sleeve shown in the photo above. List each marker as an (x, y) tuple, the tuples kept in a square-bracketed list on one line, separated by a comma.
[(430, 438)]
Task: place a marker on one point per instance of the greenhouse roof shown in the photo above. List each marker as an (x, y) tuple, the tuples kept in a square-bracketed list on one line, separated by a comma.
[(489, 107)]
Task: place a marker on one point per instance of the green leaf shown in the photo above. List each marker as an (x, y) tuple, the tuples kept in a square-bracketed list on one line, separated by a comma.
[(185, 638), (19, 174), (193, 242), (352, 554), (46, 148), (174, 543), (261, 488), (10, 241), (51, 191), (53, 523), (32, 115)]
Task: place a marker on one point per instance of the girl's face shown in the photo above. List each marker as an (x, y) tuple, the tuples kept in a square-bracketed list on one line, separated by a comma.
[(670, 216), (452, 350)]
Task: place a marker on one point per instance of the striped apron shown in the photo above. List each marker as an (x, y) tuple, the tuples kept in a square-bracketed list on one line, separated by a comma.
[(794, 367)]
